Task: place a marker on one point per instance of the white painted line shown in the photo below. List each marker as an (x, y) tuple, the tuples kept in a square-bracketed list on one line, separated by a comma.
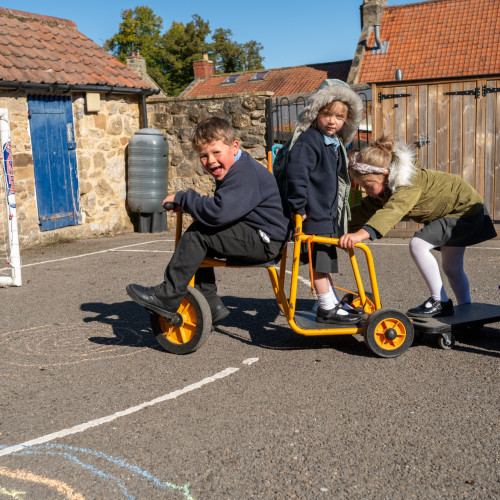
[(250, 361), (104, 420), (116, 249), (143, 251), (299, 278), (376, 243)]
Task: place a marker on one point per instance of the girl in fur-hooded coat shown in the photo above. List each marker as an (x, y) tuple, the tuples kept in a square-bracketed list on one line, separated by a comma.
[(318, 184), (452, 212), (317, 174)]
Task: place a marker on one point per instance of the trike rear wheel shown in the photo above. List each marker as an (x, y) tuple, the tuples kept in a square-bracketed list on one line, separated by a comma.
[(388, 333), (194, 330), (355, 302)]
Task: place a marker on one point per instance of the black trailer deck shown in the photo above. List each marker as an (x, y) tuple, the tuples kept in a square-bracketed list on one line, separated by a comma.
[(465, 317), (472, 315)]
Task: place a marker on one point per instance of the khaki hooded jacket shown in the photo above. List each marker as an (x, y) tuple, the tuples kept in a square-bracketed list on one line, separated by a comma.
[(420, 195)]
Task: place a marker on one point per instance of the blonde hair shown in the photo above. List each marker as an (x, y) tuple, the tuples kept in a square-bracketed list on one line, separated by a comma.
[(378, 154), (213, 129)]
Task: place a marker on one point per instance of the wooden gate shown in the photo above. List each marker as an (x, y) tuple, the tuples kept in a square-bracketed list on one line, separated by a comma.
[(455, 127)]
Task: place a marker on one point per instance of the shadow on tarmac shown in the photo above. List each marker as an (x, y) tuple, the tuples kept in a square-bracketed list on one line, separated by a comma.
[(260, 323), (129, 320), (258, 317), (484, 341)]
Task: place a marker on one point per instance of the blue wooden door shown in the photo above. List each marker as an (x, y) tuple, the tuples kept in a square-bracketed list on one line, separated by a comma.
[(54, 157)]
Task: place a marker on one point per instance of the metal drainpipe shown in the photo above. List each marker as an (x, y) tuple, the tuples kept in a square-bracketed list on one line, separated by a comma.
[(377, 36), (144, 110)]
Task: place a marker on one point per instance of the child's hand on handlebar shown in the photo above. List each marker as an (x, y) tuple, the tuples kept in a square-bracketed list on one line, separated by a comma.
[(168, 203), (350, 239)]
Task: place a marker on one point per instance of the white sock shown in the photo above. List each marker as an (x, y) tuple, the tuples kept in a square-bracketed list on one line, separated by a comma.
[(328, 301), (346, 307)]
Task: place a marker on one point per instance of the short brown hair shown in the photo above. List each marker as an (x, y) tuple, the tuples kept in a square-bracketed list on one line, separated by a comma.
[(213, 129)]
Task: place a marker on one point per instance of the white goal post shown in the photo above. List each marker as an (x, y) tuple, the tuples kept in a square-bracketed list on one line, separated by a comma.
[(8, 174)]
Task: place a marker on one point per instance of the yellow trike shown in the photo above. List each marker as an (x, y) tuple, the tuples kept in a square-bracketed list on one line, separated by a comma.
[(387, 332)]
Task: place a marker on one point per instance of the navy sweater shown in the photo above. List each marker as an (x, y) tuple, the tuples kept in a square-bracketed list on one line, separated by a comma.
[(247, 193), (312, 174)]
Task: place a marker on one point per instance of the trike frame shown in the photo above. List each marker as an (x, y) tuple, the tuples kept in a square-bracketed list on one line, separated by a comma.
[(388, 333)]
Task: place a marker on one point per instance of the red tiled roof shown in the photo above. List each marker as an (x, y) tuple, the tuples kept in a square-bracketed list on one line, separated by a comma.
[(43, 49), (436, 39), (281, 81)]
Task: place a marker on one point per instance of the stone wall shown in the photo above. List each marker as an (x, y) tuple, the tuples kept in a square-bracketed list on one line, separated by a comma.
[(102, 144), (102, 140), (177, 118)]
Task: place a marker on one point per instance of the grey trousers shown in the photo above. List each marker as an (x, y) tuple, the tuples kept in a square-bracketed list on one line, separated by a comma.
[(239, 241)]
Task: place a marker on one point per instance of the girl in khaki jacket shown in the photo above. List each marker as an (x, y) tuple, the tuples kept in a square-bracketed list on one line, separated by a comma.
[(453, 214)]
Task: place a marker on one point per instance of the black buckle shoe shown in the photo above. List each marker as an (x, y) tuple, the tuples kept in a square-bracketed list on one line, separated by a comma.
[(219, 312), (332, 316), (346, 307), (432, 308), (146, 297)]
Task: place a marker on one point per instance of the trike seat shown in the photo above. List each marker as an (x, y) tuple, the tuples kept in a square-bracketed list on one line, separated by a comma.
[(241, 263)]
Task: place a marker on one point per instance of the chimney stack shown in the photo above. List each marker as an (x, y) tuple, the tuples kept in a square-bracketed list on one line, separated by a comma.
[(204, 68), (371, 12), (371, 16)]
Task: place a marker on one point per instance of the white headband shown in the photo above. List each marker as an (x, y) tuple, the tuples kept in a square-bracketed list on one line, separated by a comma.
[(364, 168)]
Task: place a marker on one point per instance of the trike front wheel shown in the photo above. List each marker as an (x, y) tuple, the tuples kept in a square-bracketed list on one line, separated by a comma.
[(388, 333), (194, 330)]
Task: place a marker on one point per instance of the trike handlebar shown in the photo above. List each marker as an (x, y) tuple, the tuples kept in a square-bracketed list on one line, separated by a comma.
[(170, 205)]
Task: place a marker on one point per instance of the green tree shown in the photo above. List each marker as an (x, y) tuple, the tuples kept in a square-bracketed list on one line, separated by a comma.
[(230, 56), (182, 45), (251, 56), (169, 57), (140, 32), (225, 53)]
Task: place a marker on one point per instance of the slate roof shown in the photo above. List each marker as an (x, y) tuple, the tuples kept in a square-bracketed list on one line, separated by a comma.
[(281, 81), (436, 39), (47, 50)]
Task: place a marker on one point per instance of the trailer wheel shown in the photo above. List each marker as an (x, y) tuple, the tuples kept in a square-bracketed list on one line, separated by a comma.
[(388, 333), (191, 328), (446, 341)]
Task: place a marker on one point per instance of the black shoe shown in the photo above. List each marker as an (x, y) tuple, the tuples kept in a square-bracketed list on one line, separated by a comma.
[(146, 297), (432, 309), (217, 308), (346, 307), (219, 312), (333, 316)]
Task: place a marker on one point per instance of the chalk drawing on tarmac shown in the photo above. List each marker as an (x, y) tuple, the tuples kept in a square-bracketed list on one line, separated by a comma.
[(81, 458), (70, 344)]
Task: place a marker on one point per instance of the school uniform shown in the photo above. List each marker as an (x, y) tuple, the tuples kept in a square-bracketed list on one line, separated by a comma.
[(452, 211), (316, 173), (243, 220)]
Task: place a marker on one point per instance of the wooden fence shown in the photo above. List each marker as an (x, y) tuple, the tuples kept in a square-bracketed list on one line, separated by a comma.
[(455, 127)]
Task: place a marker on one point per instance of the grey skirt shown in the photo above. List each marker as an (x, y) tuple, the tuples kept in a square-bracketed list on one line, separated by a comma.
[(458, 232), (324, 257)]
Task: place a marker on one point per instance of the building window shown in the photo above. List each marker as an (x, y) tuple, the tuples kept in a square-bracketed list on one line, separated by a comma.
[(231, 79), (259, 76)]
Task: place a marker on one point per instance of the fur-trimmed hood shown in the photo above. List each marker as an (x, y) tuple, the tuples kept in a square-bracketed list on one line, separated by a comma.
[(402, 168), (336, 90)]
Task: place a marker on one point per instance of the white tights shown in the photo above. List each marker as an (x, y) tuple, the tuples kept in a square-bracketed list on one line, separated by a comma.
[(452, 261)]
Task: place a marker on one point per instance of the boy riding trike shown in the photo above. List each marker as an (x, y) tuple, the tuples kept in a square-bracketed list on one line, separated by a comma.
[(387, 332)]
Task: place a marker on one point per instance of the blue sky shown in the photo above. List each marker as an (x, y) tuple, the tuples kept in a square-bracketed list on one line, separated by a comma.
[(292, 32)]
